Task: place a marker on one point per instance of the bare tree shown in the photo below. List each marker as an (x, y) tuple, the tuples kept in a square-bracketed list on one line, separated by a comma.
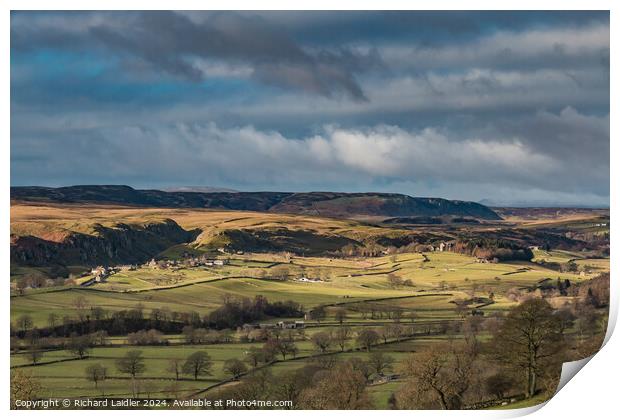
[(52, 320), (341, 336), (96, 373), (254, 356), (380, 361), (80, 304), (24, 323), (317, 314), (322, 341), (343, 387), (529, 335), (367, 338), (235, 367), (385, 332), (175, 367), (132, 363), (33, 354), (24, 387), (79, 345), (286, 347), (441, 373), (340, 315), (198, 363)]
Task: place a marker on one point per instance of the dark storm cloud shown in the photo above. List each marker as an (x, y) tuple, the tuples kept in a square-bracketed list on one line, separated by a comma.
[(498, 105), (171, 42)]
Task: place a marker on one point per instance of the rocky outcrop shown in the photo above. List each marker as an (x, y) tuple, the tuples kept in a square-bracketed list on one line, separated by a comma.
[(121, 243)]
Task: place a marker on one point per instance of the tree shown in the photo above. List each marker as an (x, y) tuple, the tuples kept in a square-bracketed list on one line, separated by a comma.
[(34, 354), (385, 332), (362, 367), (529, 334), (24, 386), (172, 390), (341, 388), (322, 341), (80, 303), (397, 314), (380, 361), (235, 367), (52, 320), (440, 373), (341, 336), (96, 373), (287, 347), (132, 363), (340, 315), (174, 367), (79, 345), (367, 338), (269, 350), (289, 385), (317, 314), (198, 363), (254, 356), (24, 323)]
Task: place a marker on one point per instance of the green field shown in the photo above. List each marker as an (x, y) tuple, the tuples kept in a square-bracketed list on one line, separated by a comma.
[(430, 288), (436, 284), (202, 290)]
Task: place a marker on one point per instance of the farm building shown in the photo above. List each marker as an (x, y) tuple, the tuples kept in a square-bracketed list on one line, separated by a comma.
[(291, 325), (309, 280)]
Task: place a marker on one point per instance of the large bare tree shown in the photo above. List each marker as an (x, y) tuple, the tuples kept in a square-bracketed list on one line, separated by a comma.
[(529, 335), (441, 373)]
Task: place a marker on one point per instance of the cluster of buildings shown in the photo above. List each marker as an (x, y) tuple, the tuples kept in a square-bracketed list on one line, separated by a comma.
[(101, 273), (283, 325), (189, 262)]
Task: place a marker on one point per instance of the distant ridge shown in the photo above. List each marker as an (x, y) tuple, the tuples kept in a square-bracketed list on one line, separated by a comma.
[(203, 189), (328, 204)]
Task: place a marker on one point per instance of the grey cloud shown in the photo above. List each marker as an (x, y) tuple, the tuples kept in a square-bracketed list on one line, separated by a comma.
[(511, 111), (541, 48), (249, 158), (170, 42)]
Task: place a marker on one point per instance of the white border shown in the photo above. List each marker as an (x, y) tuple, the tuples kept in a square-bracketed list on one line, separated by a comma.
[(593, 395)]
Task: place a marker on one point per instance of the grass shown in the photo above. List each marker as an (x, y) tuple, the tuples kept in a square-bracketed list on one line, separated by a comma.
[(347, 282), (437, 282), (66, 378)]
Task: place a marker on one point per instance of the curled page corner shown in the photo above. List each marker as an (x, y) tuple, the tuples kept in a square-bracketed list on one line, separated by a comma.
[(613, 313), (569, 370)]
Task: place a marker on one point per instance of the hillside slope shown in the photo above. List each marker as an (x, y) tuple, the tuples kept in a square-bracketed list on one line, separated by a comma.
[(116, 243), (328, 204)]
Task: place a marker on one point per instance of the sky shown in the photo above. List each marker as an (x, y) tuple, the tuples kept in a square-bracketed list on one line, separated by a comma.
[(505, 107)]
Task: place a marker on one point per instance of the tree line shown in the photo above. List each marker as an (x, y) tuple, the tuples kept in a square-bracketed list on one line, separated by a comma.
[(232, 313)]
